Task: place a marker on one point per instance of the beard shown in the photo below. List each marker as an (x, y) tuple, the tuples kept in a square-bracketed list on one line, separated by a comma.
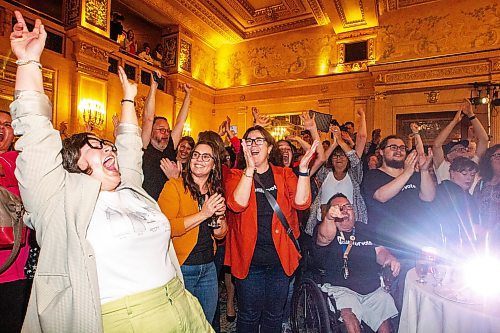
[(395, 164)]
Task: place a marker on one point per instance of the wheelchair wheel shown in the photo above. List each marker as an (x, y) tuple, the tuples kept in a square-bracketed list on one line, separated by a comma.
[(309, 309)]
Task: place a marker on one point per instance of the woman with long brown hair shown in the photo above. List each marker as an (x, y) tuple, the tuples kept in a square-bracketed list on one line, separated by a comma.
[(195, 207)]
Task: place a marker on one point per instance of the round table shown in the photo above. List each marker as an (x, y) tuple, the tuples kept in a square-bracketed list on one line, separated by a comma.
[(425, 312)]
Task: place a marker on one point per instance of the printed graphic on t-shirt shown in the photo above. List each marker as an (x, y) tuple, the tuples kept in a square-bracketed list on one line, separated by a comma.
[(271, 189)]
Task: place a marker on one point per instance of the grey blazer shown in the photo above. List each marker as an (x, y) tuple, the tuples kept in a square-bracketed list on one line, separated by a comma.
[(59, 206)]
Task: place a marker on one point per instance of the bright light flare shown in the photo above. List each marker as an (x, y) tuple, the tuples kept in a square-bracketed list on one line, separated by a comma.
[(481, 275)]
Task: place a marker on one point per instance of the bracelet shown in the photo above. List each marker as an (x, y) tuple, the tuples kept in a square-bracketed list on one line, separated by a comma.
[(472, 117), (245, 173), (27, 62), (303, 174), (127, 100)]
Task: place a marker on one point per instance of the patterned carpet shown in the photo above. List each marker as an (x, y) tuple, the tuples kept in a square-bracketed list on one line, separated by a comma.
[(225, 326)]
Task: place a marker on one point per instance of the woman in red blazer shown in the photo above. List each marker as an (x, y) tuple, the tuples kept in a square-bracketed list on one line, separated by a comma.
[(261, 254)]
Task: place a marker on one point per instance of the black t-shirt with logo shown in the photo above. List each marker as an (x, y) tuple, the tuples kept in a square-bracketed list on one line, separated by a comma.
[(265, 251), (362, 260), (154, 178), (203, 251), (398, 222)]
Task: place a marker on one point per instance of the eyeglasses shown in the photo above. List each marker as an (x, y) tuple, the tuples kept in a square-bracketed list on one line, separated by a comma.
[(460, 149), (258, 141), (162, 130), (396, 147), (205, 157), (495, 156), (343, 208), (96, 143), (338, 156)]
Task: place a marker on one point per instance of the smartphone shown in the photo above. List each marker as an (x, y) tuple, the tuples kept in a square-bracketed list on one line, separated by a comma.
[(156, 78)]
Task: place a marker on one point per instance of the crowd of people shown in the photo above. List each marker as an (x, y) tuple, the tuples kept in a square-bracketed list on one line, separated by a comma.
[(136, 234)]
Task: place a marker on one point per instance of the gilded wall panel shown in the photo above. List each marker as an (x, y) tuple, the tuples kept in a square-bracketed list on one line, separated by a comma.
[(290, 56), (203, 63), (464, 27), (185, 55)]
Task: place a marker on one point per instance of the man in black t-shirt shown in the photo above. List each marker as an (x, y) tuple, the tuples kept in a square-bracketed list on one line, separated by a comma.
[(159, 141), (351, 262), (396, 197)]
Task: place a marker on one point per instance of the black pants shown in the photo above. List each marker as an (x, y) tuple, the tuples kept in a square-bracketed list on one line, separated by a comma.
[(14, 298)]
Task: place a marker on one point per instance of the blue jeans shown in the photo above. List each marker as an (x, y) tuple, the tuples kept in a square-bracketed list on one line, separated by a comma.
[(201, 281), (261, 298)]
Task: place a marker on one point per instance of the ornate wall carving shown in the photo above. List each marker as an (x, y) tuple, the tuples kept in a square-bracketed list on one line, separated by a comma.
[(469, 27), (94, 52), (185, 55), (96, 13), (343, 18), (170, 47), (447, 72)]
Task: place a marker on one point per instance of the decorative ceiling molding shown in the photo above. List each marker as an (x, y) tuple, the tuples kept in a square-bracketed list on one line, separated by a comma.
[(346, 23), (319, 12)]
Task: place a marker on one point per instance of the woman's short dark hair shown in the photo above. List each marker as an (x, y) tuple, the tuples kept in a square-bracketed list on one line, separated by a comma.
[(71, 152), (485, 169), (461, 163), (337, 151), (214, 181), (275, 157)]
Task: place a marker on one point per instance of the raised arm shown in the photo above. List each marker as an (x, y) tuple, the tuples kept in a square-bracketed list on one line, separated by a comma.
[(479, 131), (149, 112), (427, 185), (242, 191), (303, 194), (182, 116), (328, 229), (419, 145), (39, 166), (310, 125), (362, 135), (393, 188), (437, 147)]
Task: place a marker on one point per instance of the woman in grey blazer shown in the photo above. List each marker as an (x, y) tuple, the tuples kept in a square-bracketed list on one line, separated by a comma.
[(107, 262)]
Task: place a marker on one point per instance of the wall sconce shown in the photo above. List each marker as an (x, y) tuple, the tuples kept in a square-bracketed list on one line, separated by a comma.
[(186, 130), (93, 113)]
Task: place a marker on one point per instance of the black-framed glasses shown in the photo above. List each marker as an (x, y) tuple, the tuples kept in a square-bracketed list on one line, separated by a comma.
[(338, 156), (460, 149), (258, 141), (96, 143), (343, 208), (162, 130), (495, 156), (205, 157), (396, 147)]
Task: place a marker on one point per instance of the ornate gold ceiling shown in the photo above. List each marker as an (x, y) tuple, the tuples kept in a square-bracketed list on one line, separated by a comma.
[(231, 21)]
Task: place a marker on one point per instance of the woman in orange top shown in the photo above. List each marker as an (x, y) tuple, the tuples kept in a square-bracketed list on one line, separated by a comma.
[(191, 203), (258, 249)]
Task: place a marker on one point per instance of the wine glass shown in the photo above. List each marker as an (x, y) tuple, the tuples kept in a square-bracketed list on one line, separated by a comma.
[(422, 268), (439, 273)]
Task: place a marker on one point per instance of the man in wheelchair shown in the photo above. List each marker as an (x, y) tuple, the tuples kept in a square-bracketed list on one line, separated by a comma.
[(350, 264)]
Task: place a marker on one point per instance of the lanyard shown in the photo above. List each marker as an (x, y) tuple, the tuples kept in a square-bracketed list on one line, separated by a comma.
[(347, 250)]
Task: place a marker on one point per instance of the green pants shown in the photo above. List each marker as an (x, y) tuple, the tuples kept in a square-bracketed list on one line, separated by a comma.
[(170, 308)]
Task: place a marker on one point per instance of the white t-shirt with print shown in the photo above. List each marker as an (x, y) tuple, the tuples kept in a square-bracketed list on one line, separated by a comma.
[(130, 241), (332, 186)]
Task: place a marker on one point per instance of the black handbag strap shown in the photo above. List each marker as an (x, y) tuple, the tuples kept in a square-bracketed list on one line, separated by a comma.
[(278, 212)]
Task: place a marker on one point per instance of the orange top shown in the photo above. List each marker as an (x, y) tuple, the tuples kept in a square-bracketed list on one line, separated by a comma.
[(242, 235), (177, 203)]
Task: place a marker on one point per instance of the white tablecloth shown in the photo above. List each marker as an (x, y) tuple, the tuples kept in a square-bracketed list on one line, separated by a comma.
[(425, 312)]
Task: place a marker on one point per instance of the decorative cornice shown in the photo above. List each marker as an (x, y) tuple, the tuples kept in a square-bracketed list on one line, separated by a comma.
[(310, 21), (448, 72), (495, 65), (92, 70), (350, 24), (319, 12), (210, 19)]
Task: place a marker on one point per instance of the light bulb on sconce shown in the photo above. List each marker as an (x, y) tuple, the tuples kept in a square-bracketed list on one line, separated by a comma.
[(93, 113), (186, 131)]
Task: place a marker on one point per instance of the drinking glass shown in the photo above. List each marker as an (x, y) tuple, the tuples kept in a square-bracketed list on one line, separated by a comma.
[(422, 268), (439, 273)]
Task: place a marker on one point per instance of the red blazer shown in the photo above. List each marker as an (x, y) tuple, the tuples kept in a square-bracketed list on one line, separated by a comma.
[(242, 223)]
